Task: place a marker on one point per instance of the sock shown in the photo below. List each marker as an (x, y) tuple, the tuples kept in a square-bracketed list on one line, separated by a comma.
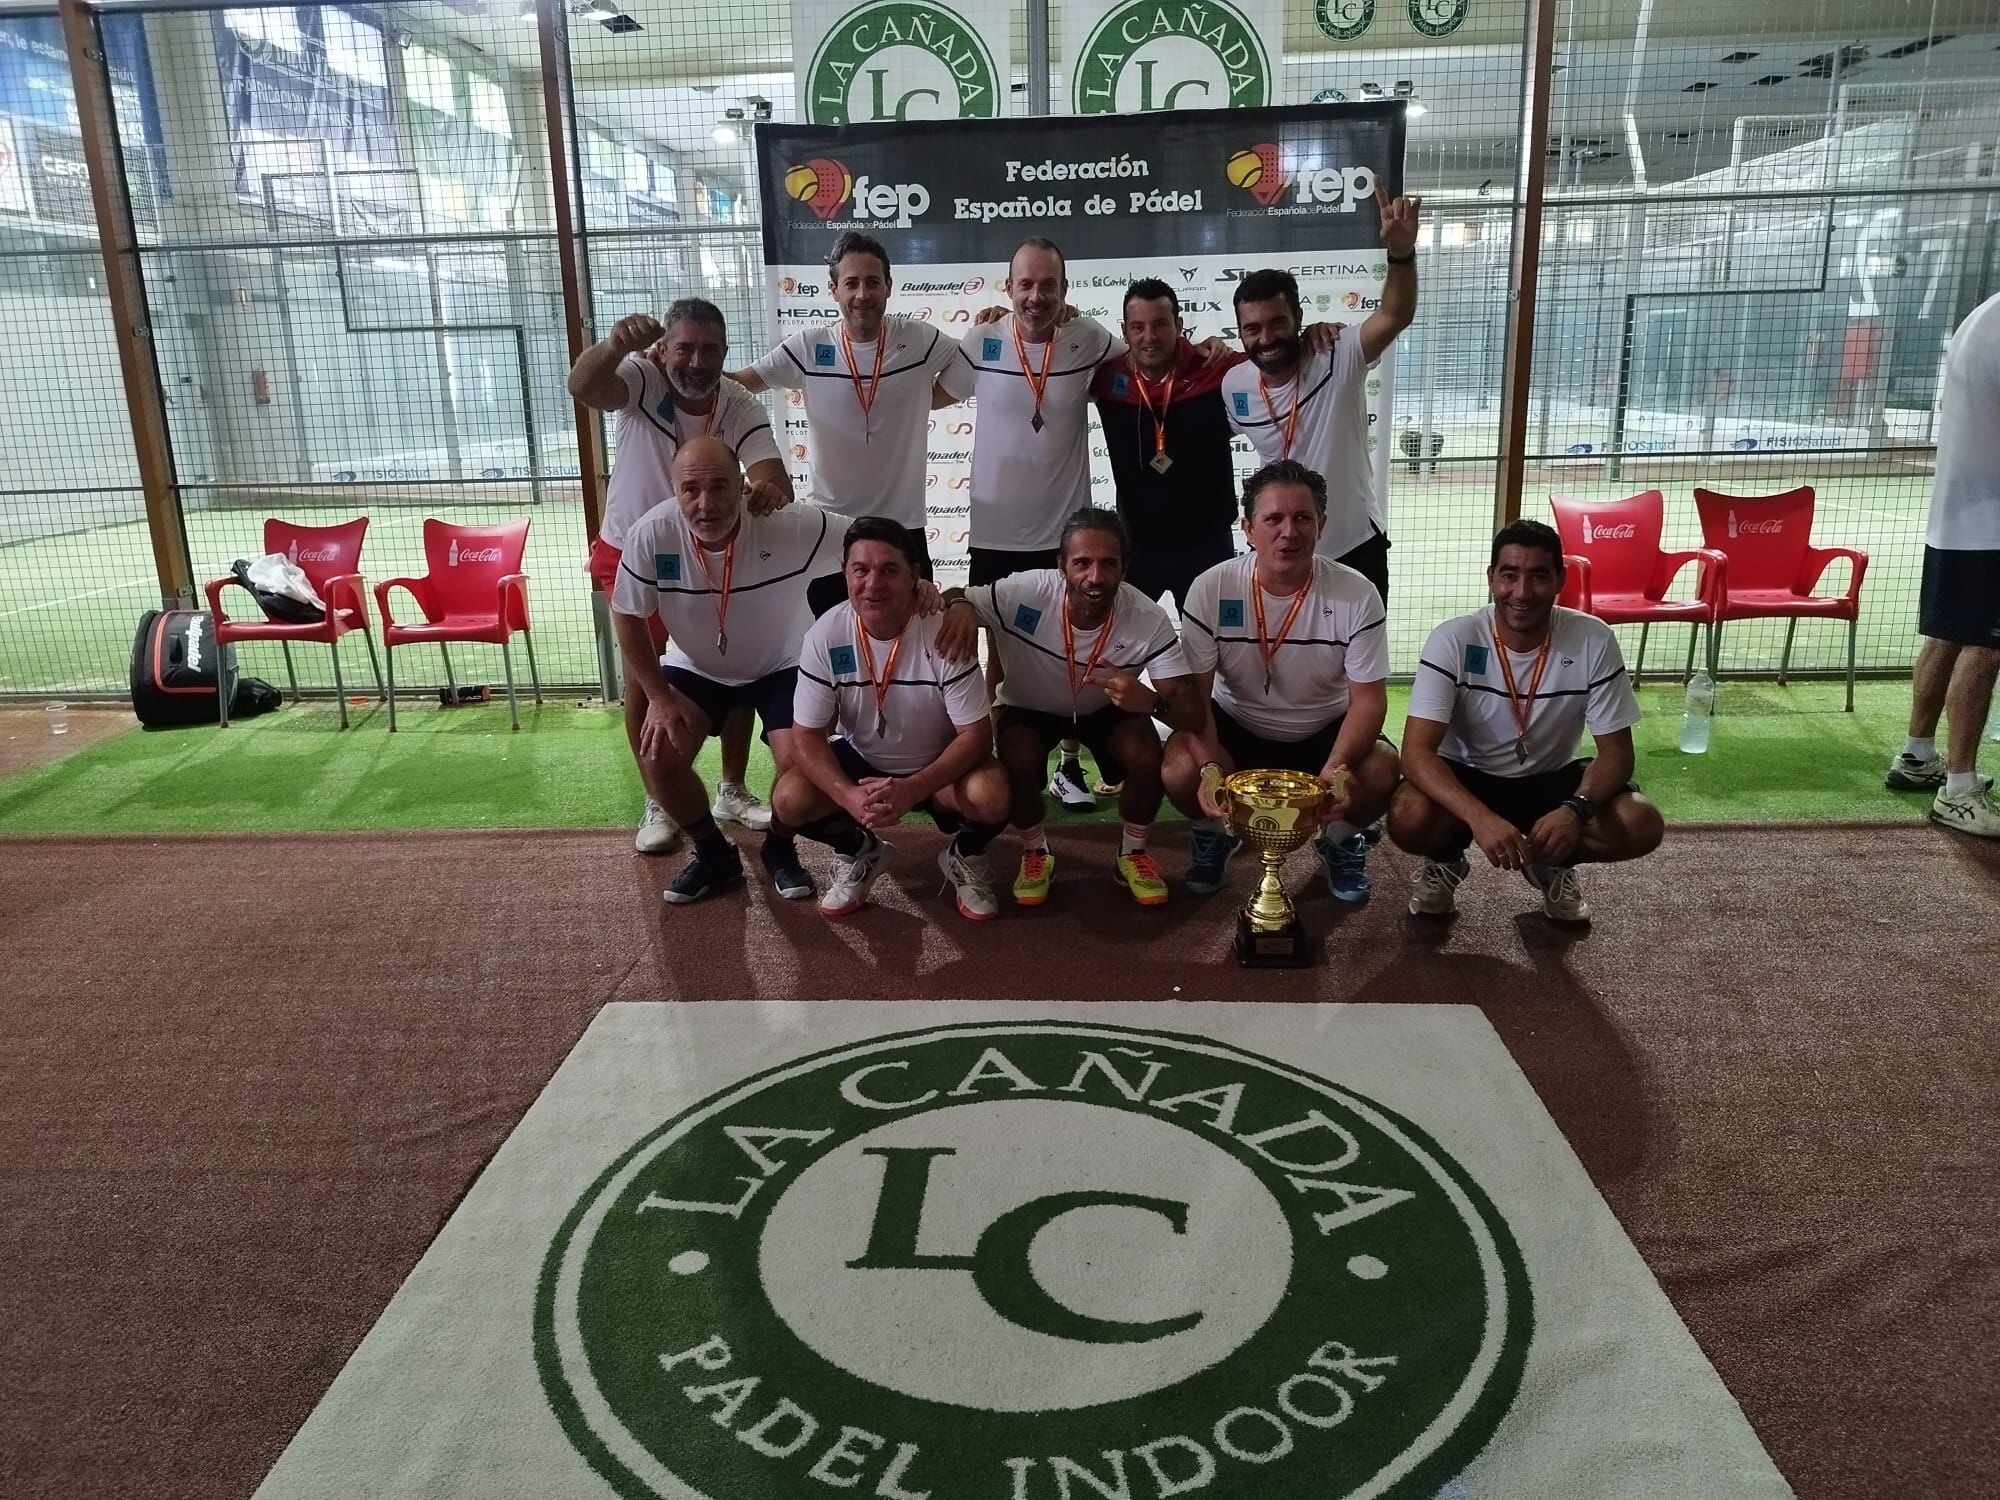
[(709, 841), (1133, 839), (838, 832), (1339, 831), (1033, 838), (1958, 783), (1210, 825), (973, 839), (1072, 761), (729, 786), (1920, 749), (779, 846)]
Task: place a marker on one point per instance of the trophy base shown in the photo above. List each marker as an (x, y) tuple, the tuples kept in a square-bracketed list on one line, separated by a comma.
[(1286, 948)]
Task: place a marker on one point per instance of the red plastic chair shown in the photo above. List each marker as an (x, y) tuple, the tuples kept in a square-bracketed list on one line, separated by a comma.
[(474, 591), (1615, 569), (330, 557), (1772, 568)]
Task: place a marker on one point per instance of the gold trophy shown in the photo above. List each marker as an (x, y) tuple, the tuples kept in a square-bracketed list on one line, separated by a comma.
[(1274, 812)]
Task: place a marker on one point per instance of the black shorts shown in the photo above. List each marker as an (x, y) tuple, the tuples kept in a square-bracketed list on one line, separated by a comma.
[(770, 696), (1252, 752), (856, 767), (991, 564), (822, 594), (1960, 600), (1094, 730), (1525, 800), (1371, 561), (1154, 571)]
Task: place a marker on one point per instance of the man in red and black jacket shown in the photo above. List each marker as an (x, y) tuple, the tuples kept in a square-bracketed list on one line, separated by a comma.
[(1168, 434)]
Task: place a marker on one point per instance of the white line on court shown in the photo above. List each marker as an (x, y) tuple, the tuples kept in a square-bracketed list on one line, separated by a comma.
[(72, 598)]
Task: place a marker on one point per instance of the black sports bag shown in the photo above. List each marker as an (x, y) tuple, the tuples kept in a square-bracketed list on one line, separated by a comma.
[(175, 668)]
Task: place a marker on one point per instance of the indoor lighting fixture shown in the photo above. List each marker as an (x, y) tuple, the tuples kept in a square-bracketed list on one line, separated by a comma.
[(1406, 90), (729, 129), (1371, 91)]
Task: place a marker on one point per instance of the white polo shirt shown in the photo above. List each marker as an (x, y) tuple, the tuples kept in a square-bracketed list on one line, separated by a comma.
[(927, 701), (776, 556), (1338, 637), (1026, 482), (1965, 495), (1025, 613), (1459, 683), (650, 429), (872, 462), (1331, 437)]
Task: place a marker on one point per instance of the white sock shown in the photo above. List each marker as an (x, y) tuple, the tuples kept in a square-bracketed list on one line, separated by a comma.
[(1209, 825), (1034, 838), (1920, 749), (1958, 783), (1338, 830), (730, 786), (1133, 839)]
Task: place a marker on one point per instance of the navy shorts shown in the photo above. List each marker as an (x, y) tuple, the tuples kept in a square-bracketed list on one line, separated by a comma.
[(770, 696), (1252, 752), (1154, 571), (857, 767), (1960, 599), (1093, 730), (1525, 800)]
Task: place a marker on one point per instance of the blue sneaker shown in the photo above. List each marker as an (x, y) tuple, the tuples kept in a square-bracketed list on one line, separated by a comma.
[(1346, 865), (1207, 854)]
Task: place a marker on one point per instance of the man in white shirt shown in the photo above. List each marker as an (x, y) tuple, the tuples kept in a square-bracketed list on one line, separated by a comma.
[(664, 383), (1291, 666), (1313, 407), (870, 382), (1958, 610), (885, 725), (1497, 713), (1073, 642), (730, 588)]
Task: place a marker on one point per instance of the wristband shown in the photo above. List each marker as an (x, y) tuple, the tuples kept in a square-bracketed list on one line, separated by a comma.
[(1403, 260), (1582, 806)]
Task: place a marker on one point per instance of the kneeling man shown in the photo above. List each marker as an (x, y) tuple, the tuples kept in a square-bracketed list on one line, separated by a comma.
[(1072, 642), (909, 732), (1290, 672), (1500, 703), (730, 589)]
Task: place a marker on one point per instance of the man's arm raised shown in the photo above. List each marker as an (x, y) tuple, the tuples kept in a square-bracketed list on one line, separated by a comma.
[(594, 379), (1399, 288)]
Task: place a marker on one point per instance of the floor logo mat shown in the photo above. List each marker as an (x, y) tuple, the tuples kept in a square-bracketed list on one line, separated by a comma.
[(1033, 1259)]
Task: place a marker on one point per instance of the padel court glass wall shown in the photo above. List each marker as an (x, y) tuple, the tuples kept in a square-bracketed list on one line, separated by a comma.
[(1761, 223)]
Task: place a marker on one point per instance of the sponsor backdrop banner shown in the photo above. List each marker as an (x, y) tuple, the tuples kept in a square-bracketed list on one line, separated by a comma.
[(1137, 56), (1196, 198), (901, 60)]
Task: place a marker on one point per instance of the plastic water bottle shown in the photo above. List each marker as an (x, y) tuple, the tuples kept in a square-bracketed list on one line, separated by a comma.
[(1700, 714), (1993, 721)]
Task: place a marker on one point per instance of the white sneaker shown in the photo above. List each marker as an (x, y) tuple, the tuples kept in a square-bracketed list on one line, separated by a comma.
[(658, 833), (1437, 888), (972, 877), (736, 803), (1908, 774), (1070, 791), (847, 891), (1969, 812), (1562, 892)]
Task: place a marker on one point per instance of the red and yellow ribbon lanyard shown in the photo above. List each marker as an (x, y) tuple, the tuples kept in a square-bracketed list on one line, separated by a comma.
[(1524, 708), (865, 397), (1292, 421), (722, 595), (1161, 461), (887, 680), (1036, 383), (1265, 643), (1070, 663)]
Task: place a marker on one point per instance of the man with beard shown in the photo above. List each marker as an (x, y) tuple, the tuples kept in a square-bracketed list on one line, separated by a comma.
[(1293, 404), (1292, 646), (870, 383), (664, 383), (730, 588), (909, 733), (1073, 642), (1497, 715)]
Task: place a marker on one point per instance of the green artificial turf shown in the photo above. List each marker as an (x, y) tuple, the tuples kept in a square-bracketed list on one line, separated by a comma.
[(1777, 754)]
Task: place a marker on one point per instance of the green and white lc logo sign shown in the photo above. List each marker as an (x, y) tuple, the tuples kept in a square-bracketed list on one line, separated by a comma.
[(1017, 1261), (1147, 55), (901, 60)]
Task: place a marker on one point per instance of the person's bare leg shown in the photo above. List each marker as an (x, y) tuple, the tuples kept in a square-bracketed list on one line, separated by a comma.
[(1929, 681), (1967, 702)]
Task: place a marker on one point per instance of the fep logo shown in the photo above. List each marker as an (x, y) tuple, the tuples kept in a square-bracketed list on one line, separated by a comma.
[(789, 284), (1033, 1260), (1623, 531), (822, 185), (798, 450), (1351, 301), (1260, 173)]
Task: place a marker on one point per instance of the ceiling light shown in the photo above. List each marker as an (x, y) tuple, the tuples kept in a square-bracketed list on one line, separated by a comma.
[(757, 106), (1414, 110), (729, 129), (1405, 89)]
